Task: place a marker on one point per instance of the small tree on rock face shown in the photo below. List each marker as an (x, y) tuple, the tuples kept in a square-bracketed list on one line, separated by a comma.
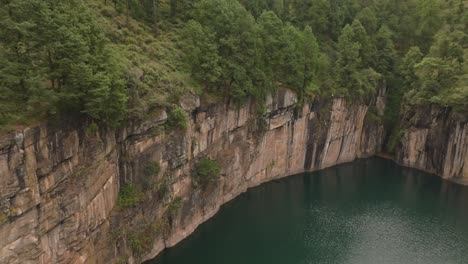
[(206, 172), (177, 118)]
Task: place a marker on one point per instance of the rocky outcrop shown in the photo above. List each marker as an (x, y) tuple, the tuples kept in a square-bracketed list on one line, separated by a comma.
[(59, 186), (435, 139)]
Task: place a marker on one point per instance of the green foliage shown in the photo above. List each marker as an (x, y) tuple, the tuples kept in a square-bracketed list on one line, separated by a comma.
[(367, 47), (163, 186), (57, 57), (368, 19), (3, 218), (232, 32), (206, 172), (386, 53), (202, 53), (129, 196), (174, 207), (441, 76), (271, 31), (122, 260), (177, 118), (372, 115), (140, 242), (114, 60), (351, 75), (233, 55), (406, 68), (92, 129), (395, 138), (152, 169)]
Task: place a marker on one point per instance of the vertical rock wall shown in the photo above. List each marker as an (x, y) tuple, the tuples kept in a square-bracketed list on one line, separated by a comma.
[(435, 139), (59, 186)]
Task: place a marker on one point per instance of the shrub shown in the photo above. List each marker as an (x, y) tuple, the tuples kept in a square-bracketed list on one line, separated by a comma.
[(150, 171), (163, 186), (152, 168), (129, 196), (140, 242), (206, 172), (372, 115), (92, 129), (395, 138), (3, 218), (177, 118), (174, 207)]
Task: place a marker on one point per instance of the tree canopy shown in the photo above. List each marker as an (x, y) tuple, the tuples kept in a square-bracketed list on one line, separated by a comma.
[(111, 60)]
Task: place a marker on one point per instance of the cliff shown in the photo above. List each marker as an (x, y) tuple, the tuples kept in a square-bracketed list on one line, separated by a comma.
[(435, 139), (59, 186)]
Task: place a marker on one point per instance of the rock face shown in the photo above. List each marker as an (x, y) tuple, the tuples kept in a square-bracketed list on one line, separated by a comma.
[(435, 139), (59, 187)]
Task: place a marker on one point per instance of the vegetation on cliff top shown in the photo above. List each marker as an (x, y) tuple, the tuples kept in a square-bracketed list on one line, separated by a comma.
[(114, 60)]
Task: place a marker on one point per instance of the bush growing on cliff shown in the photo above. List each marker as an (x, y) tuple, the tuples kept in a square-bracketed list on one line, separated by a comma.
[(395, 138), (129, 196), (174, 207), (150, 173), (3, 218), (140, 242), (177, 118), (163, 186), (152, 168), (206, 172)]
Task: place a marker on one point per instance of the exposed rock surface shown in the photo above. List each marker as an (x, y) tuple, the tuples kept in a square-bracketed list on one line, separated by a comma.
[(59, 186), (435, 139)]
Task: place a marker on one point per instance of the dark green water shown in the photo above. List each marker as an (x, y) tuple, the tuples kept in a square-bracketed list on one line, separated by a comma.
[(370, 211)]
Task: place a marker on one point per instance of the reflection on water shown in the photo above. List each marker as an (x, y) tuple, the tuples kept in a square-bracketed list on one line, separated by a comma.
[(370, 211)]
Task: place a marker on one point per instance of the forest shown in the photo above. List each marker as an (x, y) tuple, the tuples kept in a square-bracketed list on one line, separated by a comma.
[(115, 60)]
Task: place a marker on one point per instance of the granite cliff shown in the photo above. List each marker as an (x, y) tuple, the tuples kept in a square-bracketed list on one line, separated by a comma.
[(59, 185), (435, 139)]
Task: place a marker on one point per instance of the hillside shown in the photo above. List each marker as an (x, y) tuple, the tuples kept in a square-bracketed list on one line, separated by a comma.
[(121, 60)]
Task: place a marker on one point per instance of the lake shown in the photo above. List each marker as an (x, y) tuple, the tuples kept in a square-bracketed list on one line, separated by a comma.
[(368, 211)]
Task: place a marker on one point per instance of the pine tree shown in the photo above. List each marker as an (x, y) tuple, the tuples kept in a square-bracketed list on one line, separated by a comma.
[(386, 54)]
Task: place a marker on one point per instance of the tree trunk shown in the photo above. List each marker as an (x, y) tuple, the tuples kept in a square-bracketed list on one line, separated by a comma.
[(155, 16), (173, 8), (285, 9), (128, 12), (51, 67)]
